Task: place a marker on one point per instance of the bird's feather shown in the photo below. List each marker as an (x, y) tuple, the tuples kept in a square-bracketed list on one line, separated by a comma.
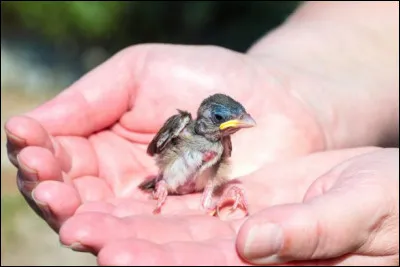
[(148, 185), (170, 130), (194, 155)]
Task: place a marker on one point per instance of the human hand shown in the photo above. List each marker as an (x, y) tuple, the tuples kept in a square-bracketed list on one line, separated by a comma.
[(348, 216), (87, 146)]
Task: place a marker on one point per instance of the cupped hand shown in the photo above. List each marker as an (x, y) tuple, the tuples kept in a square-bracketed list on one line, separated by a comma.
[(330, 208), (86, 148)]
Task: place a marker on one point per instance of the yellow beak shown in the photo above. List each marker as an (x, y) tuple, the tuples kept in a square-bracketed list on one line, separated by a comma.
[(246, 121)]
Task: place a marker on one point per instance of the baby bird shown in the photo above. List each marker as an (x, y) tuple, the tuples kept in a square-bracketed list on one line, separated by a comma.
[(193, 155)]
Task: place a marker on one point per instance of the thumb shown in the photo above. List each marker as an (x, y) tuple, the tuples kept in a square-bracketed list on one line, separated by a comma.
[(326, 225), (95, 101)]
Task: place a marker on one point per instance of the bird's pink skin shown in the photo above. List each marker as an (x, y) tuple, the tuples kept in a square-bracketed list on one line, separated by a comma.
[(236, 194), (207, 198), (209, 155), (232, 193), (160, 194)]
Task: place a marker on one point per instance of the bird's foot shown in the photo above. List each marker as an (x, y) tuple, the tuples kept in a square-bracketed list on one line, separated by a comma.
[(160, 193), (237, 195), (206, 200)]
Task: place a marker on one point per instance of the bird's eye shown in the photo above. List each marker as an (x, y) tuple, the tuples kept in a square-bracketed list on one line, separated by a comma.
[(218, 117)]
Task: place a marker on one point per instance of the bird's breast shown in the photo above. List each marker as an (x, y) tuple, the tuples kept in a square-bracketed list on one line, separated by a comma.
[(186, 171)]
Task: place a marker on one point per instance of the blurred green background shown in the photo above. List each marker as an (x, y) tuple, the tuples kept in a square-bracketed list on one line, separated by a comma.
[(45, 46)]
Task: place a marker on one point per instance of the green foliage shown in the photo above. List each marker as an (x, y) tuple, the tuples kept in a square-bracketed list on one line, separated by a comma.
[(64, 19), (116, 24), (11, 207)]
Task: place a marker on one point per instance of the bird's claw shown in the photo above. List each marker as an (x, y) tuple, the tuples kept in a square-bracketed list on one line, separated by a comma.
[(206, 200), (160, 194), (237, 195)]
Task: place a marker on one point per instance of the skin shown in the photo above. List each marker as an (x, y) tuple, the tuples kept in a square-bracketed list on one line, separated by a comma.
[(195, 239), (85, 161)]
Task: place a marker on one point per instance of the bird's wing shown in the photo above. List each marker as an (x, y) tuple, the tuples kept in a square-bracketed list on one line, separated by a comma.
[(170, 130)]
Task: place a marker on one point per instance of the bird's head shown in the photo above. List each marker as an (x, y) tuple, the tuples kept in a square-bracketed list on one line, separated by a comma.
[(219, 115)]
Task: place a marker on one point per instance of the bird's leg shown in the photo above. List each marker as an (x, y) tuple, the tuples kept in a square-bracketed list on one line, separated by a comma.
[(160, 193), (207, 198), (237, 195)]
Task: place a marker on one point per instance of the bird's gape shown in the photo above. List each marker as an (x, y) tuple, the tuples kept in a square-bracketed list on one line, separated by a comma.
[(229, 131)]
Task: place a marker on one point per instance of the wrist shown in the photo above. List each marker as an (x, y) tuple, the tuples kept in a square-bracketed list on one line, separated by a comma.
[(346, 79)]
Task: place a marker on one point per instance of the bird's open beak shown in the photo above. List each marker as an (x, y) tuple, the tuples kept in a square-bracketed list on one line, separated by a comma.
[(245, 121)]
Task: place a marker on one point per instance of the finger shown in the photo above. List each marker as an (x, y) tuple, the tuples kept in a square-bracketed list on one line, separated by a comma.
[(327, 226), (134, 252), (94, 230), (92, 188), (95, 206), (348, 260), (38, 164), (94, 102), (56, 202), (23, 131), (361, 260)]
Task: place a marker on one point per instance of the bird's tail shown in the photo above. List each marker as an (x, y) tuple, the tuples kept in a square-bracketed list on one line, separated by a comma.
[(148, 184)]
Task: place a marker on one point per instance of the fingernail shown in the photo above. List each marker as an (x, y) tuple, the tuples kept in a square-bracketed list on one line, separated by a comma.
[(76, 246), (263, 243), (15, 139), (40, 203), (44, 207), (26, 186), (30, 173)]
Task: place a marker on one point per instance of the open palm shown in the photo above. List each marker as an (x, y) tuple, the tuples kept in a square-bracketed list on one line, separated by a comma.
[(122, 235), (84, 151)]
